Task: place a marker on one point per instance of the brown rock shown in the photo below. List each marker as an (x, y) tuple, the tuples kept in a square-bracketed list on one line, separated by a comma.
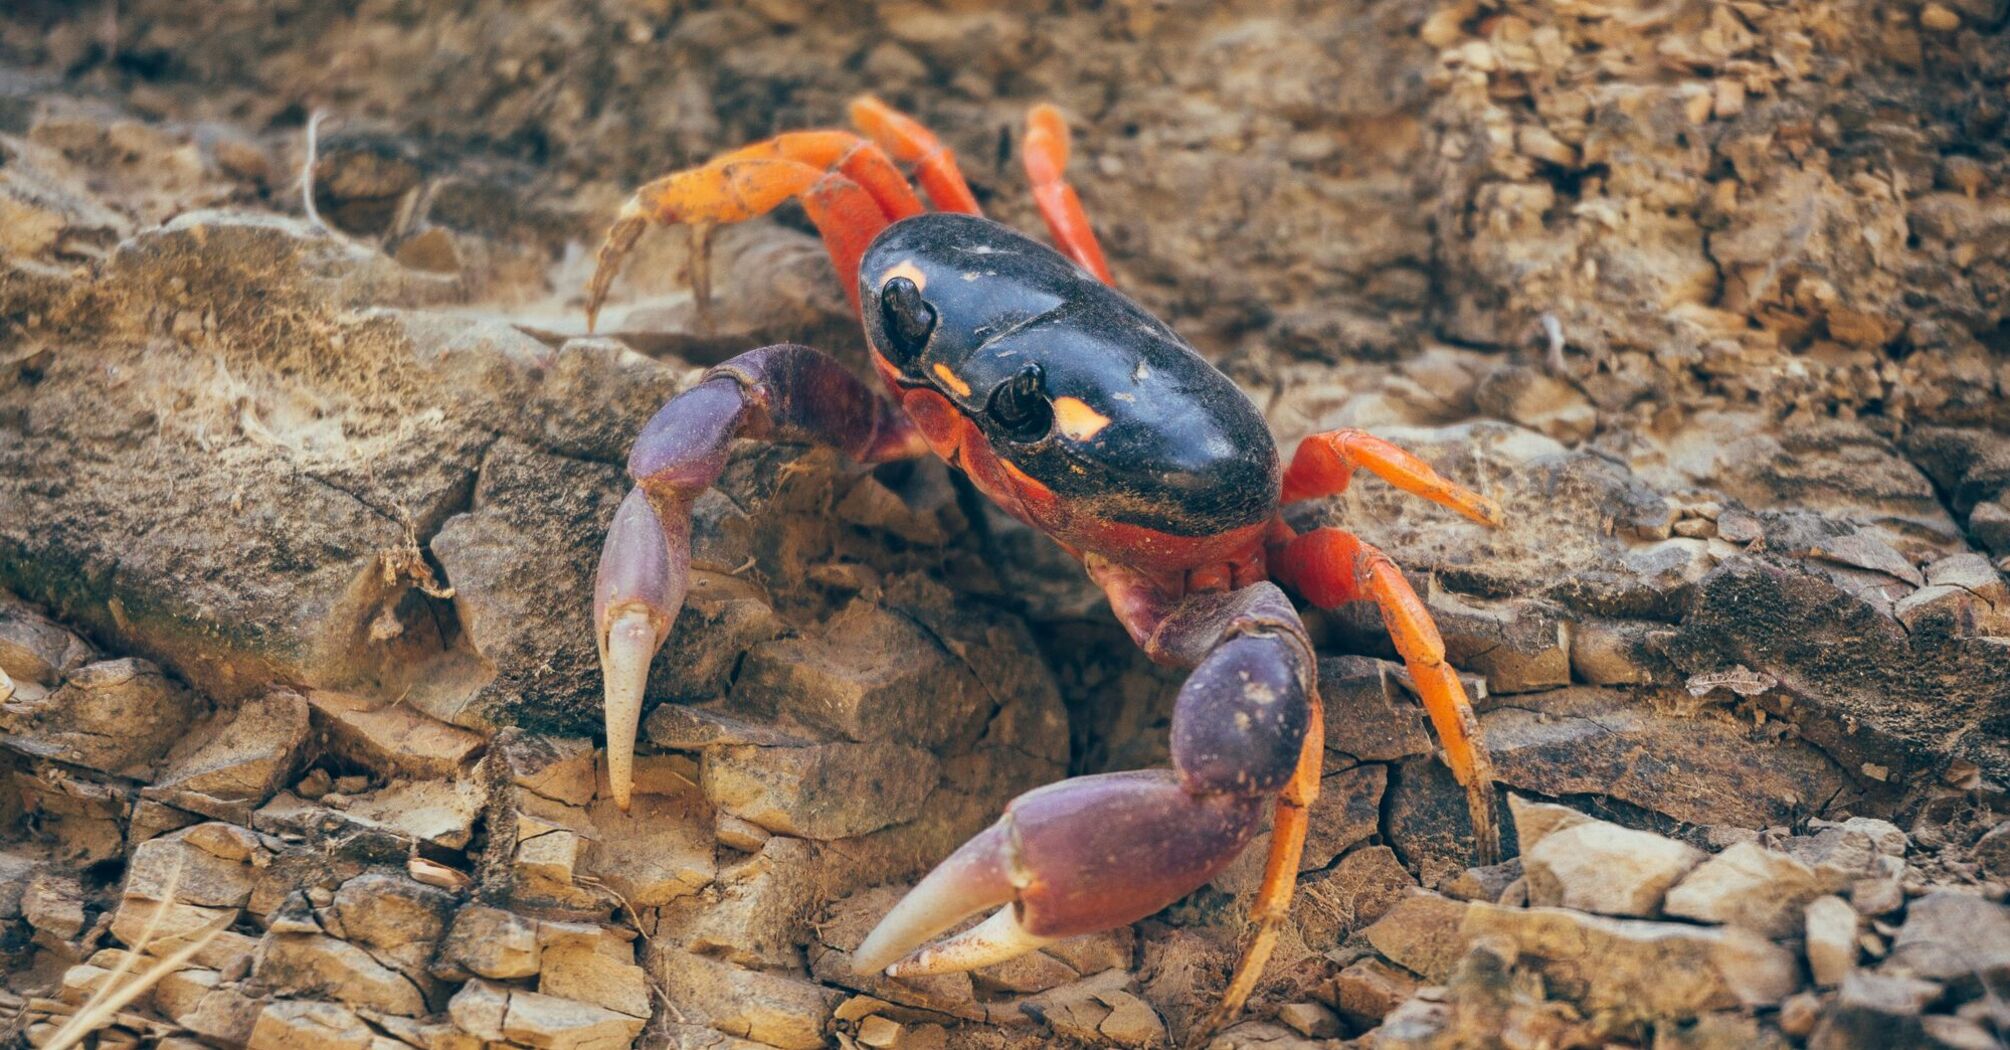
[(824, 791), (1310, 1019), (177, 924), (1747, 885), (786, 1012), (1095, 952), (869, 673), (1526, 396), (16, 870), (35, 649), (479, 1009), (1992, 851), (1518, 647), (582, 971), (180, 992), (228, 771), (1422, 934), (1799, 1012), (1954, 937), (1831, 929), (491, 942), (1368, 990), (1485, 883), (402, 920), (441, 812), (550, 1023), (390, 739), (1370, 717), (559, 768), (176, 867), (431, 1035), (1615, 652), (53, 903), (1843, 854), (1359, 890), (224, 1016), (1638, 968), (1534, 821), (114, 716), (317, 964), (757, 915), (1028, 974), (1875, 1010), (1722, 1031), (658, 851), (1099, 1011), (1581, 740), (288, 1025), (1601, 867)]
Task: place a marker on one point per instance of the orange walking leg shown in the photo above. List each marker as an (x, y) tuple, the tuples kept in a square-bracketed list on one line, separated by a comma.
[(1280, 876), (855, 158), (1046, 150), (1330, 568), (734, 191), (911, 143), (1325, 463)]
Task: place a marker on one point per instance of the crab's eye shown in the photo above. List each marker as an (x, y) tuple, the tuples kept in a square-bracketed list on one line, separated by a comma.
[(1020, 407), (908, 317)]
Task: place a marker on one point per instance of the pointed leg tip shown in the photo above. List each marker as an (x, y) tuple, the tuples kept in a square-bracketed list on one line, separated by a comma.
[(1486, 828), (1486, 511)]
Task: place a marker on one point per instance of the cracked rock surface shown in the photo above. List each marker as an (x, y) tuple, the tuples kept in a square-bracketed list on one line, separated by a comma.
[(299, 513)]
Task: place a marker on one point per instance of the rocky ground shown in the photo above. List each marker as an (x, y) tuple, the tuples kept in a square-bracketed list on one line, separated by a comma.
[(298, 513)]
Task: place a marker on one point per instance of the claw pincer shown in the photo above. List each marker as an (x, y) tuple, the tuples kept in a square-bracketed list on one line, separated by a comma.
[(1082, 415), (782, 393), (1094, 852)]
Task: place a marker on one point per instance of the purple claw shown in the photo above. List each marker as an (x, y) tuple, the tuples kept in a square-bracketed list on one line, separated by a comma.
[(1082, 855), (780, 393), (645, 568), (977, 876)]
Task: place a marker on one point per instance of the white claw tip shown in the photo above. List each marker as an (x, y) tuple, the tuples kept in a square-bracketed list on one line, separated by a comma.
[(994, 940), (624, 663)]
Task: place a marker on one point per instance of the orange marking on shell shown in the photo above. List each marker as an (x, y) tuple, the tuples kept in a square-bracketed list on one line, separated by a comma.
[(907, 270), (1077, 420), (952, 380)]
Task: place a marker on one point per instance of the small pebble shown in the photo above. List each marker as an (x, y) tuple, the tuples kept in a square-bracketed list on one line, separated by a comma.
[(1311, 1020), (1799, 1013)]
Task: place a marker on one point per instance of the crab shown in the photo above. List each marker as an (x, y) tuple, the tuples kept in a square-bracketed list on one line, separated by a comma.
[(1082, 415)]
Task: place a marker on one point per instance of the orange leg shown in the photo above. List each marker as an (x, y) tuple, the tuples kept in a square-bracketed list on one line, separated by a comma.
[(847, 154), (1325, 463), (1280, 877), (1330, 568), (737, 190), (910, 143), (1046, 150)]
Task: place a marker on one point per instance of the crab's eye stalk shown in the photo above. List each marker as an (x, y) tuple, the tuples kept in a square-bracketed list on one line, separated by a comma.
[(1020, 407), (908, 317)]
